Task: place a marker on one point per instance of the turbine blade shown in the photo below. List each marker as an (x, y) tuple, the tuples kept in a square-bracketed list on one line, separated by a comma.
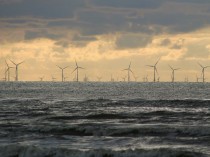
[(6, 63), (20, 63), (125, 69), (150, 66), (171, 67), (81, 68), (157, 61), (131, 71), (76, 63), (65, 67), (129, 66), (59, 67), (13, 62), (156, 70), (200, 65), (74, 70)]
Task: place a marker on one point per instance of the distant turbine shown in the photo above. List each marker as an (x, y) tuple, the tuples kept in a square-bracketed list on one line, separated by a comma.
[(85, 78), (16, 69), (8, 71), (129, 70), (186, 79), (62, 69), (136, 78), (173, 73), (99, 78), (112, 79), (77, 69), (155, 69), (41, 78), (203, 71), (65, 79), (53, 78), (123, 78), (197, 78)]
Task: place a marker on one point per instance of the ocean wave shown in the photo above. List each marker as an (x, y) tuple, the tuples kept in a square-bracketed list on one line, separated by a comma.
[(16, 150), (124, 130)]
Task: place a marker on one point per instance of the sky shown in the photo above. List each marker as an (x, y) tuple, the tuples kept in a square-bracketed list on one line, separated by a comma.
[(104, 36)]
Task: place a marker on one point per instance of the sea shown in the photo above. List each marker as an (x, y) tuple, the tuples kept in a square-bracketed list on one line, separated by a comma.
[(104, 119)]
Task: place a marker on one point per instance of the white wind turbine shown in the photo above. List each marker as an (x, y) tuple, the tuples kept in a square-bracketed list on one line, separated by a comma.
[(77, 70), (8, 71), (203, 71), (173, 73), (128, 70), (62, 74), (155, 69), (16, 69), (99, 78)]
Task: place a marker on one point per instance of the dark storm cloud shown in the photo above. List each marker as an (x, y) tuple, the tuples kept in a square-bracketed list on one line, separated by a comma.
[(30, 35), (96, 17), (128, 3), (165, 42), (41, 8)]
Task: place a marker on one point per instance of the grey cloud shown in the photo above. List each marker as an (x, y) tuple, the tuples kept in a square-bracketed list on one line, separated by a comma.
[(63, 43), (83, 38), (149, 17), (128, 3), (165, 42), (42, 9), (132, 41), (29, 35)]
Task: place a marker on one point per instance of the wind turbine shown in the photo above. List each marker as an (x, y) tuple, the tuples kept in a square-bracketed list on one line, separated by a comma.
[(41, 78), (65, 78), (99, 78), (16, 69), (124, 78), (8, 71), (136, 78), (53, 78), (62, 69), (155, 69), (203, 71), (85, 78), (112, 79), (173, 72), (77, 69), (129, 70)]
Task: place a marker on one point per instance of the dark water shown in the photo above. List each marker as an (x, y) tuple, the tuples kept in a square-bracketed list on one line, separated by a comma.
[(104, 119)]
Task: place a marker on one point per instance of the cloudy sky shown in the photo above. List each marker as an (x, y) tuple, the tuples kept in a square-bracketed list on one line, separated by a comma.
[(104, 36)]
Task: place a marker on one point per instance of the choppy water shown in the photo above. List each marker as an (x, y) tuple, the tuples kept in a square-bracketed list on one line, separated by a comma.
[(104, 119)]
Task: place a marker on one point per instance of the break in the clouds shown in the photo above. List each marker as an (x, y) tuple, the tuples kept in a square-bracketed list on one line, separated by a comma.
[(96, 30)]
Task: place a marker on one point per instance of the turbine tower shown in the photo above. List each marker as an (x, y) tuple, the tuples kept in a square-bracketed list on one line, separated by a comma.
[(77, 69), (112, 79), (173, 73), (62, 69), (8, 71), (155, 69), (203, 71), (16, 69), (41, 78), (129, 70)]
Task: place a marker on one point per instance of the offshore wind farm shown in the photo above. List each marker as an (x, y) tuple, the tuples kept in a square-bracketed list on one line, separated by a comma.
[(104, 78)]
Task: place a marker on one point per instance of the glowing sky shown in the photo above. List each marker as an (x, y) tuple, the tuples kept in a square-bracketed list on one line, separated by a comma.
[(104, 36)]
